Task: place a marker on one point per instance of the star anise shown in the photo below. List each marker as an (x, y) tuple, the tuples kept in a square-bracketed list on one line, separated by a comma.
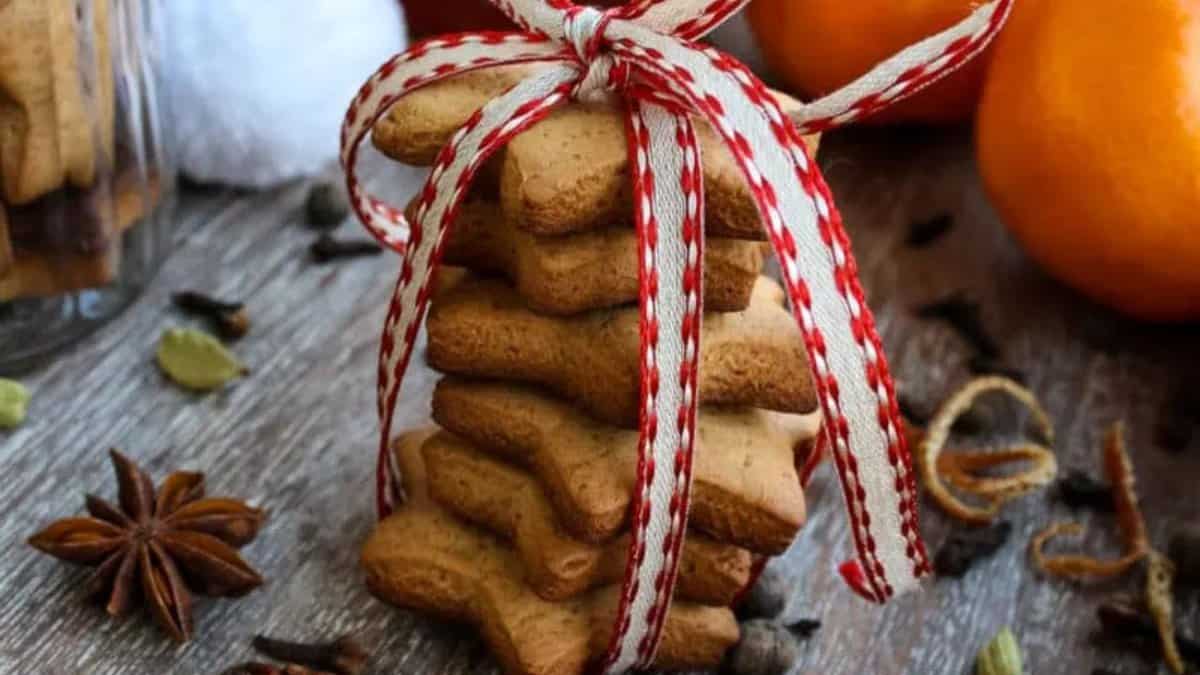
[(167, 545)]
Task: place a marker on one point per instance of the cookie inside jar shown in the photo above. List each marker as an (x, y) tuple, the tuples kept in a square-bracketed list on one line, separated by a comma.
[(84, 168)]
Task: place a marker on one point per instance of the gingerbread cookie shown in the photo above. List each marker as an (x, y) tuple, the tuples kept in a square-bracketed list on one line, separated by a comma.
[(482, 328), (570, 172), (592, 270), (745, 489), (511, 503), (56, 85), (423, 558)]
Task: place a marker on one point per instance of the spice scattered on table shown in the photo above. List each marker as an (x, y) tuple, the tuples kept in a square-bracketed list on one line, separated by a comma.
[(966, 547), (230, 318), (1079, 490), (159, 546), (326, 248), (1000, 656), (1160, 600), (990, 365), (963, 315), (196, 360), (327, 204), (1184, 550), (14, 403), (958, 468), (343, 656), (765, 648), (804, 628), (1123, 621), (922, 233), (1179, 419), (766, 598)]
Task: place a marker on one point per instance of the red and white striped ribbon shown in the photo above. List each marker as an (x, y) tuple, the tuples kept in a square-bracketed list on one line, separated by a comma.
[(644, 52)]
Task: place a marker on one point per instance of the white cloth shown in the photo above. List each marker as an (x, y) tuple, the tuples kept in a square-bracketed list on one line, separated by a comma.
[(257, 88)]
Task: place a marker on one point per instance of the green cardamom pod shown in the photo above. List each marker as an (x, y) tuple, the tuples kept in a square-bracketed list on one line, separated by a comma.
[(14, 400), (1001, 656), (196, 360)]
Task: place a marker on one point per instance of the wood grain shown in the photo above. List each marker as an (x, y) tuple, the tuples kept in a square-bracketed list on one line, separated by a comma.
[(298, 436)]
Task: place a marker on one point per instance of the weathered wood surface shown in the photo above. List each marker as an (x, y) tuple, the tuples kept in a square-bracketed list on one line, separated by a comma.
[(298, 436)]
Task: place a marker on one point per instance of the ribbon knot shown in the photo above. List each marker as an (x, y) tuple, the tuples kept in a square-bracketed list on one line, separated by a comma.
[(584, 29)]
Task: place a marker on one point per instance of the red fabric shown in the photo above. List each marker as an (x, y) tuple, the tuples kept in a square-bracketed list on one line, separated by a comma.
[(436, 17)]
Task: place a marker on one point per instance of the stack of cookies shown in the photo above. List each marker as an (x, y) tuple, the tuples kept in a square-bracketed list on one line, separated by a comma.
[(518, 511)]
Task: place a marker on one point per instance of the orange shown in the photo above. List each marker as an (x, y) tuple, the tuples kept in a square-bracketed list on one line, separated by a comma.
[(817, 46), (1089, 145)]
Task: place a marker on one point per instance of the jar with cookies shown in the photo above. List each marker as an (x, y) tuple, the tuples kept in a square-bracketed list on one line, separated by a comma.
[(86, 174)]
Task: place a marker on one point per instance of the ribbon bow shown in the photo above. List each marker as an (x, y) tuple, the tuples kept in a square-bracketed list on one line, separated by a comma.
[(644, 55)]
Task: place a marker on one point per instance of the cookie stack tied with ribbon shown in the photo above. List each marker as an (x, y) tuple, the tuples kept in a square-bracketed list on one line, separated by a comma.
[(536, 329), (626, 399)]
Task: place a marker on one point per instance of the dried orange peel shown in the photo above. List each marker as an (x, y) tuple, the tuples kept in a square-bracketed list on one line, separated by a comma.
[(958, 470), (1160, 579), (957, 467), (1129, 518)]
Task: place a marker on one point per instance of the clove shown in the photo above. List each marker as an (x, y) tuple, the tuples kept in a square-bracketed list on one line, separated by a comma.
[(804, 628), (1179, 420), (326, 248), (343, 656), (965, 548), (988, 365), (1078, 490), (1122, 620), (924, 232), (230, 318), (766, 598), (964, 317), (326, 205)]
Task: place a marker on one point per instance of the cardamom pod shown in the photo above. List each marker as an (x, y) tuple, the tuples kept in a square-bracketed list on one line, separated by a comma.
[(14, 400), (196, 360), (1001, 656)]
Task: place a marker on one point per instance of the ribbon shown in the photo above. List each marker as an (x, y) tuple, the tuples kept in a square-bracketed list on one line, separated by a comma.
[(643, 56)]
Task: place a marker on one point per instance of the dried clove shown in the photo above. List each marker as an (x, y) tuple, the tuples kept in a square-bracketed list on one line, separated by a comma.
[(326, 205), (1124, 621), (922, 233), (973, 421), (1184, 550), (966, 547), (765, 649), (963, 315), (326, 248), (1179, 420), (230, 318), (804, 628), (1078, 490), (265, 669), (343, 656), (987, 365), (766, 597)]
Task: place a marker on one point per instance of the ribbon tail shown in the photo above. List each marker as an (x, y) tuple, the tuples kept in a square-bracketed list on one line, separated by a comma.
[(424, 63), (485, 133), (538, 16), (850, 371), (908, 71), (669, 198)]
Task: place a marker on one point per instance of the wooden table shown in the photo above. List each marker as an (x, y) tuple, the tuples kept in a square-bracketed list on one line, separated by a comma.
[(298, 436)]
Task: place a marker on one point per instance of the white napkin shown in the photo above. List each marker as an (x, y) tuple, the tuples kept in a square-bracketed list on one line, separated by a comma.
[(257, 88)]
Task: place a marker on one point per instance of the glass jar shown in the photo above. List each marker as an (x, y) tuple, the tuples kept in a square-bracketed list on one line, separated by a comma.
[(86, 177)]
